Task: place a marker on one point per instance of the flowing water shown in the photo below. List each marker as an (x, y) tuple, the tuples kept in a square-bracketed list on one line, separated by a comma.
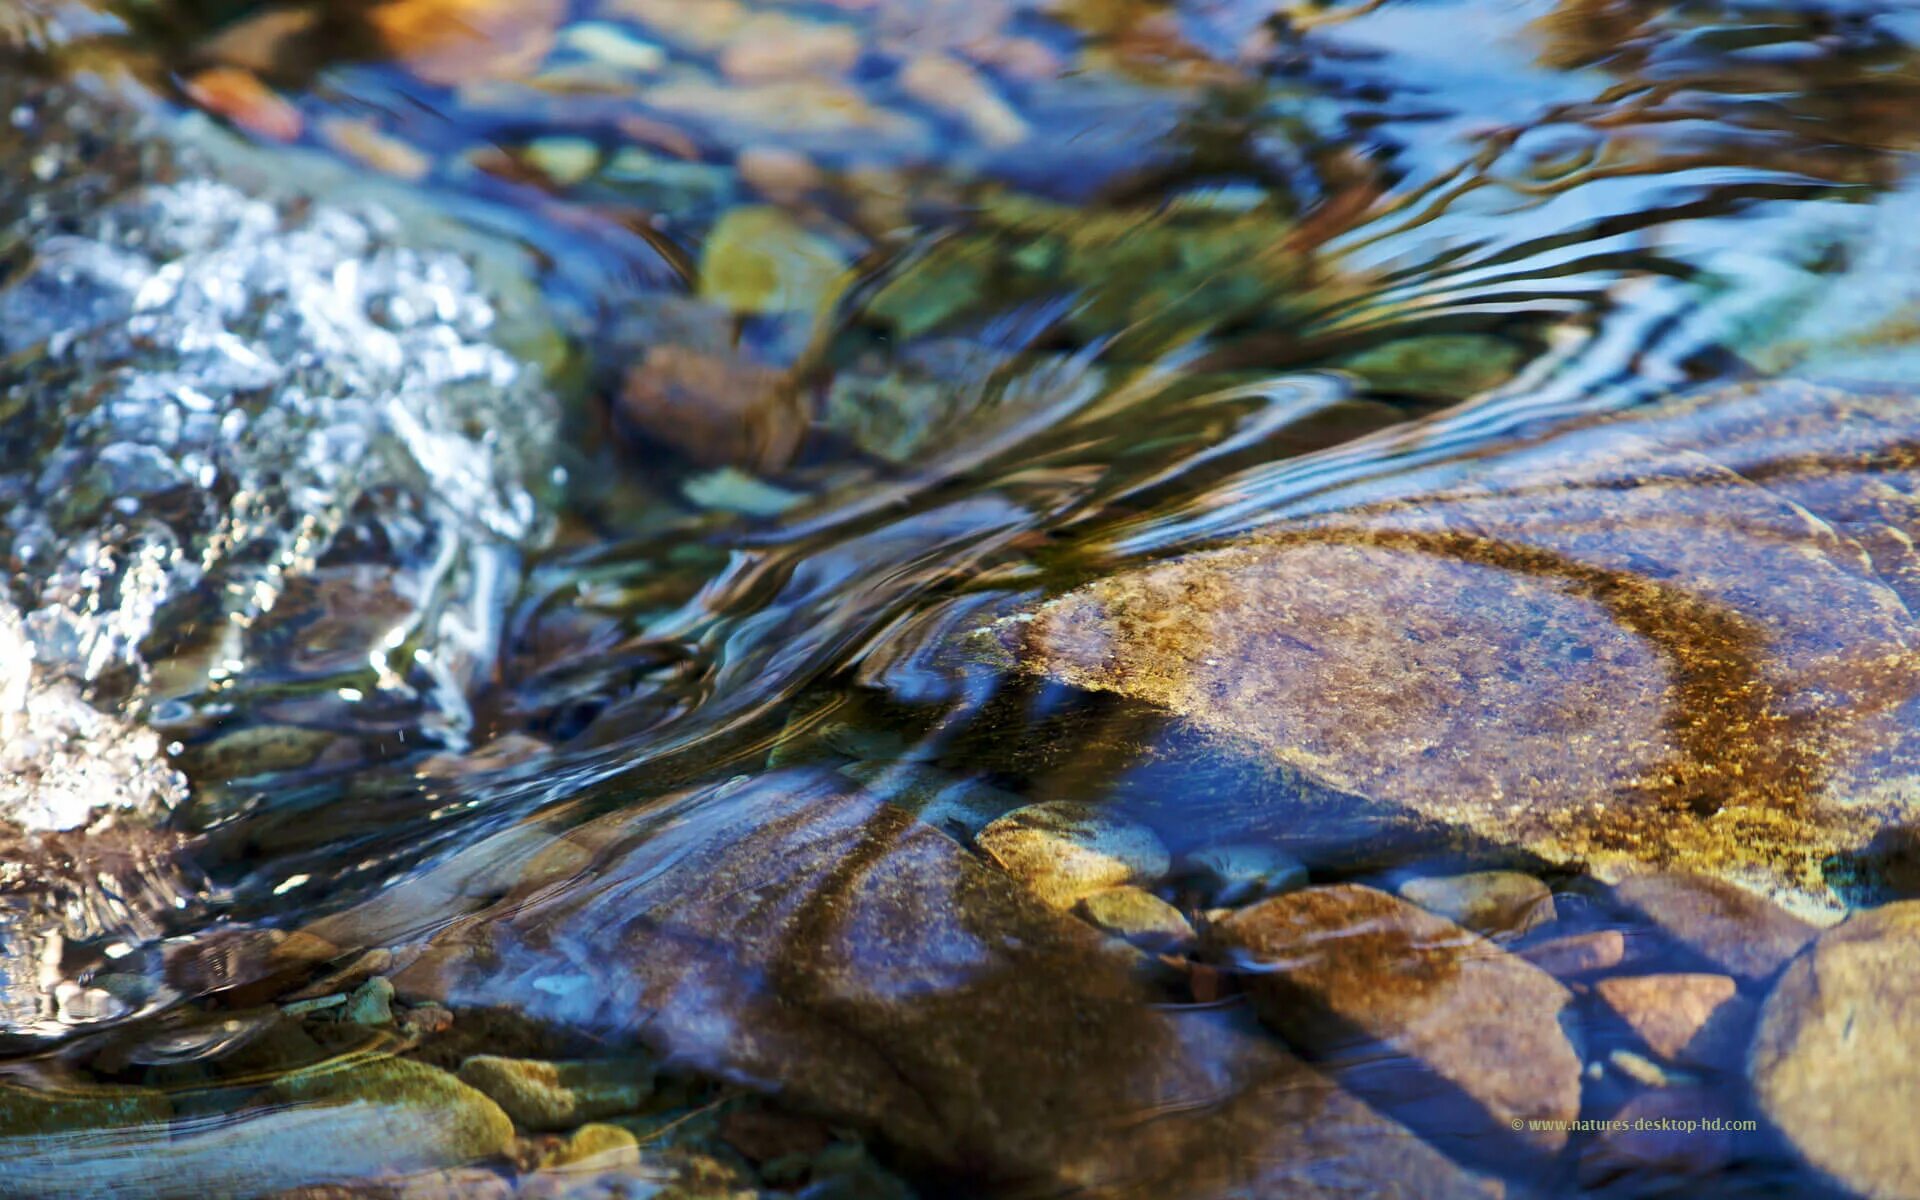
[(564, 530)]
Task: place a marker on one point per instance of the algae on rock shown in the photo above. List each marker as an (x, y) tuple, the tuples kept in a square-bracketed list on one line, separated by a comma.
[(1678, 636)]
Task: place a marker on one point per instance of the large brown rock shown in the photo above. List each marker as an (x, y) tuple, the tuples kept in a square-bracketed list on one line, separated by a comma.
[(798, 936), (1439, 1024), (1835, 1065), (1598, 644)]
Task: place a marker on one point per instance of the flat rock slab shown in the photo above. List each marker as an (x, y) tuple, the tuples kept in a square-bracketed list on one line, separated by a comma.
[(800, 937), (1436, 1022), (1602, 646), (1834, 1064)]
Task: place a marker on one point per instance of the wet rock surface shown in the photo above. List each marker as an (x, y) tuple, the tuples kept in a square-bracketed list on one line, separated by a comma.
[(1066, 852), (1491, 903), (1735, 930), (1139, 917), (1002, 1042), (547, 1095), (1659, 1141), (1690, 1019), (1464, 1041), (1519, 643), (1831, 1063), (328, 1124)]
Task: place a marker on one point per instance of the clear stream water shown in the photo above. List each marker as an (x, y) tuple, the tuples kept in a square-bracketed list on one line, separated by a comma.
[(636, 396)]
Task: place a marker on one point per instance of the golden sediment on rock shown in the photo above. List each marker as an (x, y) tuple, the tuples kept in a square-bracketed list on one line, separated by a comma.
[(1668, 637)]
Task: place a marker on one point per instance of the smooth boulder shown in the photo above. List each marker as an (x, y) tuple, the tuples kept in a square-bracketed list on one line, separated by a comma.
[(1835, 1063), (1459, 1038)]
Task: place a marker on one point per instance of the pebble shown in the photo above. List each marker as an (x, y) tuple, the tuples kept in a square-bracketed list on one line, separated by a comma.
[(559, 1095), (238, 95), (771, 46), (1064, 851), (718, 410), (950, 86), (1236, 875), (300, 1008), (596, 1144), (452, 42), (1743, 934), (371, 1003), (1643, 1070), (699, 25), (425, 1020), (759, 259), (1578, 954), (808, 108), (263, 43), (1491, 903), (364, 140), (563, 160), (729, 489), (1835, 1063), (1694, 1020), (782, 175), (1412, 1010), (606, 42), (1140, 918)]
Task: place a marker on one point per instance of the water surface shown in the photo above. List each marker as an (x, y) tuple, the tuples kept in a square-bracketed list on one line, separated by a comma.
[(1355, 433)]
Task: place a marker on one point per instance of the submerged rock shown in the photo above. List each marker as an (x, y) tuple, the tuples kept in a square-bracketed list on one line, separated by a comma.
[(755, 933), (1694, 1020), (337, 1122), (1833, 1063), (1737, 931), (1578, 954), (29, 1112), (1659, 1138), (559, 1095), (1432, 1020), (1491, 903), (1230, 875), (1066, 851), (1139, 917), (1674, 637)]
